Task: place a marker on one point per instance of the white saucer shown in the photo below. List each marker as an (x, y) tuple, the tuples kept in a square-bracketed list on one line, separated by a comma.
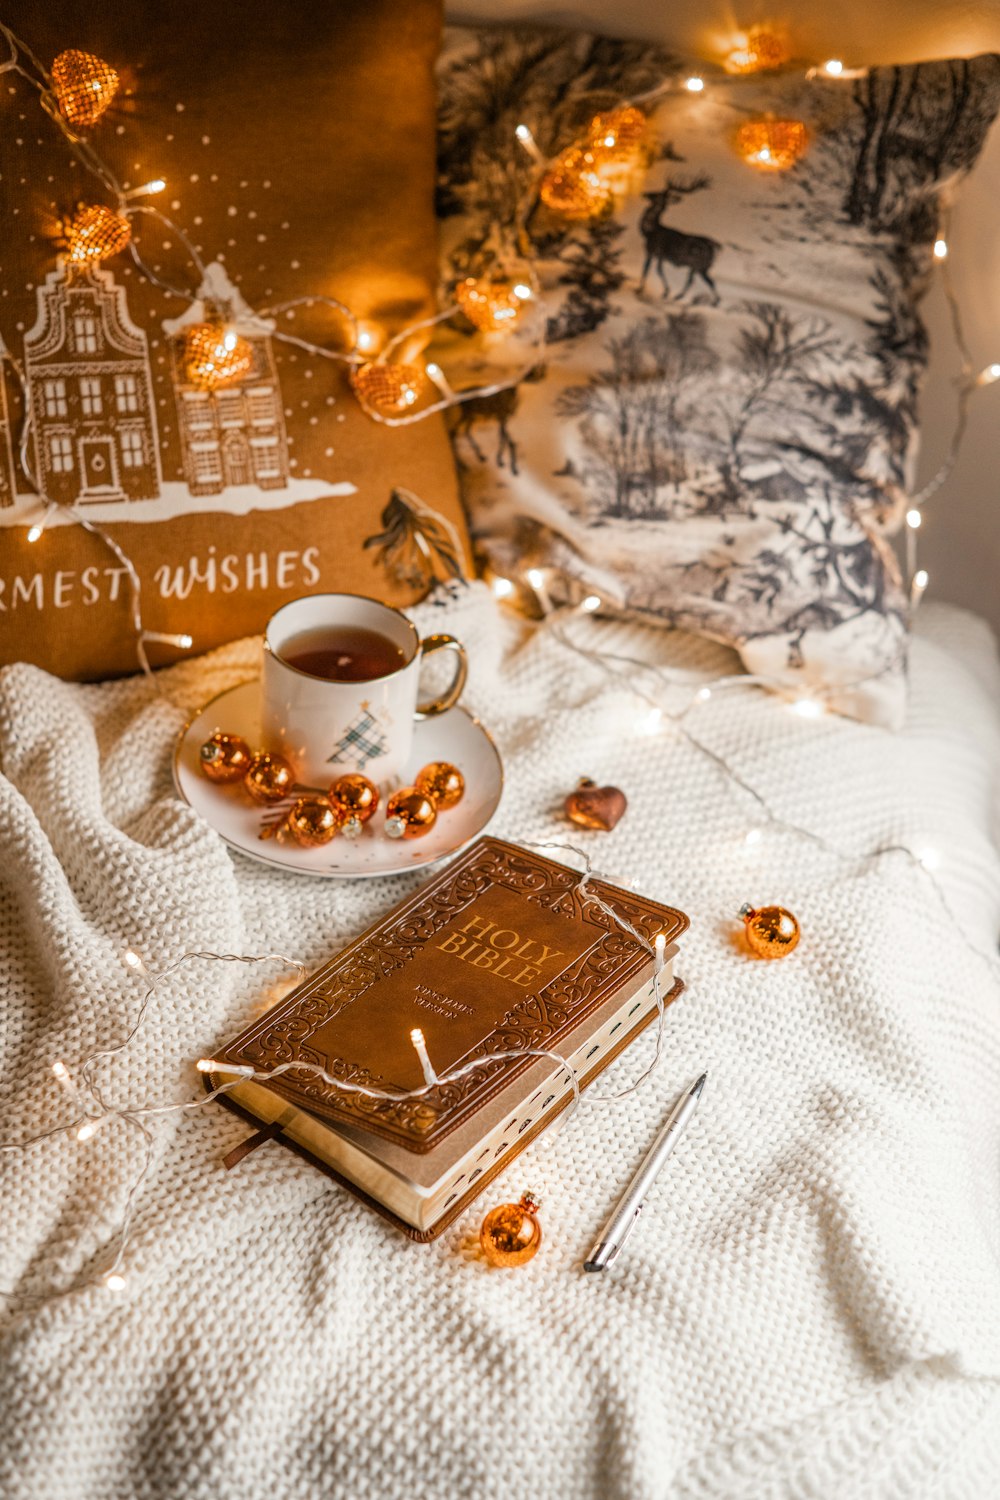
[(454, 736)]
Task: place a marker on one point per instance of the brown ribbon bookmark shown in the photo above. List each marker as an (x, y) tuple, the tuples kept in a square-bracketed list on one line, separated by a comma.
[(259, 1138)]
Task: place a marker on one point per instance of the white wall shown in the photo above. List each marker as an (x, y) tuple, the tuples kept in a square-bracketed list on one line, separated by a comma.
[(960, 538)]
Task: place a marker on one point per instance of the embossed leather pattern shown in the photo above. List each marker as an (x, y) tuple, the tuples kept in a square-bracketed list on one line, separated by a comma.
[(499, 953)]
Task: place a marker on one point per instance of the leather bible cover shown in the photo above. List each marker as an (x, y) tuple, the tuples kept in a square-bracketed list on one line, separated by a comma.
[(424, 1236), (499, 952)]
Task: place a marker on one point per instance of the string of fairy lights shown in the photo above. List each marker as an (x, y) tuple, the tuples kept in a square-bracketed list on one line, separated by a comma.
[(584, 181), (92, 1112), (580, 181)]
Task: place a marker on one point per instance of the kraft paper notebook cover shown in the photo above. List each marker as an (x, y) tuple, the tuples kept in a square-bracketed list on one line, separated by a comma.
[(498, 953)]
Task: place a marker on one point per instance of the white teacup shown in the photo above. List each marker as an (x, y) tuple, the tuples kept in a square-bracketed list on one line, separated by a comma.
[(327, 727)]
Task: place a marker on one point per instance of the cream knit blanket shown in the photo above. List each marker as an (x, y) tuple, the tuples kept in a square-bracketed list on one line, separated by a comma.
[(811, 1305)]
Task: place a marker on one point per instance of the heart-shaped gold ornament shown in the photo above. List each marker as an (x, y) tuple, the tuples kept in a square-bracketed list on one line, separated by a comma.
[(592, 806)]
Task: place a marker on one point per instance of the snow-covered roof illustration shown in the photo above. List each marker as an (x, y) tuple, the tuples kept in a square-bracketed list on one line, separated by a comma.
[(217, 294)]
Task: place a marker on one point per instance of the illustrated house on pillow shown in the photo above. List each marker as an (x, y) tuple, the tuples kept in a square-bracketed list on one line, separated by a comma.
[(90, 392), (234, 435)]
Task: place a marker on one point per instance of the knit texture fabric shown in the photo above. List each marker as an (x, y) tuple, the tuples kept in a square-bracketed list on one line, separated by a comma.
[(810, 1304)]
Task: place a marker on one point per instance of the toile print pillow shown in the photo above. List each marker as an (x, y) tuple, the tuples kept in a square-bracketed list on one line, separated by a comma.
[(297, 151), (719, 423)]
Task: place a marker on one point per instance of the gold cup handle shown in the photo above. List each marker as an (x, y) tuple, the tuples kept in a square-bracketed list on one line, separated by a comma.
[(453, 692)]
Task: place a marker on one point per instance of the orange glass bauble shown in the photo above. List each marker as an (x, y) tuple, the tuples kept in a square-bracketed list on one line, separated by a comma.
[(97, 233), (772, 145), (490, 304), (270, 778), (225, 757), (442, 782), (357, 799), (618, 133), (573, 188), (313, 821), (84, 86), (771, 931), (511, 1234), (387, 388), (761, 51), (215, 358), (409, 814)]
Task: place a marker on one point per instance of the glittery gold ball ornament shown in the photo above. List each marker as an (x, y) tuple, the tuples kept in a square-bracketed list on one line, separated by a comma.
[(215, 358), (84, 86), (356, 799), (313, 821), (573, 188), (618, 134), (442, 782), (409, 814), (771, 931), (270, 778), (225, 757), (772, 145), (492, 305), (388, 388), (97, 233), (511, 1234)]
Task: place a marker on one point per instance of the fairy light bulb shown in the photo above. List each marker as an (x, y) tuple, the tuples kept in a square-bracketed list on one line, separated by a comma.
[(929, 858), (913, 519), (525, 138), (772, 145), (184, 641), (97, 233), (833, 67), (752, 836), (83, 85), (215, 357), (807, 708), (148, 189), (115, 1282), (369, 337), (592, 602), (502, 588), (989, 375), (420, 1048), (34, 532), (133, 960), (694, 85), (703, 694), (649, 720), (659, 949), (940, 249)]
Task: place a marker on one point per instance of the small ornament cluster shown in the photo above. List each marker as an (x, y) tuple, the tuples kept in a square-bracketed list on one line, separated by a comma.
[(348, 804)]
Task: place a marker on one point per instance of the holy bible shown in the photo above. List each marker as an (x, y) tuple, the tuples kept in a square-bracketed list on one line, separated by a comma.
[(502, 953)]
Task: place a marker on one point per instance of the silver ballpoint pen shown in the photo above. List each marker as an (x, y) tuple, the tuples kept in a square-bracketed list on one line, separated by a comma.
[(626, 1212)]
